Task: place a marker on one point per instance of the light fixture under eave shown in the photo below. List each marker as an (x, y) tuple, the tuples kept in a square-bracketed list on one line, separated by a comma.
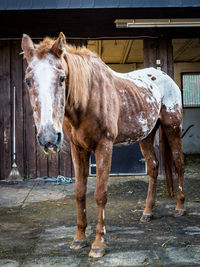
[(156, 23)]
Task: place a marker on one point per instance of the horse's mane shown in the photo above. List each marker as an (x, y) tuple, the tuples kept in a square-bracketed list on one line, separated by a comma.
[(79, 77), (80, 69)]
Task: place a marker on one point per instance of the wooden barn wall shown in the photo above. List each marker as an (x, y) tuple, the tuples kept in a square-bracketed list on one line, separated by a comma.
[(31, 161)]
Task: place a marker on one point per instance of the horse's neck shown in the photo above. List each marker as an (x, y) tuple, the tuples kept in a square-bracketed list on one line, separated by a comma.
[(73, 115), (101, 76)]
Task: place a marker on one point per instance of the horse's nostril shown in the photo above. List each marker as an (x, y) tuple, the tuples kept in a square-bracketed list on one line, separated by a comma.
[(59, 136), (49, 141), (49, 145)]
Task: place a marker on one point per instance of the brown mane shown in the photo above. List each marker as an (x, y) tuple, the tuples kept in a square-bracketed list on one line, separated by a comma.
[(79, 67), (45, 45)]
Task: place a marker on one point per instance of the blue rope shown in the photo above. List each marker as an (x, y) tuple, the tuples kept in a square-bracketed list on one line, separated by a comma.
[(58, 180)]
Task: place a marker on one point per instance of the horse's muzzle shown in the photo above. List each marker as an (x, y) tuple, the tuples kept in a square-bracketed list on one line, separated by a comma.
[(50, 142)]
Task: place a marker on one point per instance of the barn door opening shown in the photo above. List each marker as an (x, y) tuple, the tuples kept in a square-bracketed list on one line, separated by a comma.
[(126, 160), (121, 56)]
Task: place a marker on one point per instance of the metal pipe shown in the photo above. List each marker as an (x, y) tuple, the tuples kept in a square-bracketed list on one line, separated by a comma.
[(14, 138)]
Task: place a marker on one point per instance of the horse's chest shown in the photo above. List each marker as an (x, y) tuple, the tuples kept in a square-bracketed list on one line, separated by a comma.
[(85, 136)]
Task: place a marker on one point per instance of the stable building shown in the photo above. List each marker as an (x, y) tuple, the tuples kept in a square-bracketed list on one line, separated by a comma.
[(127, 35)]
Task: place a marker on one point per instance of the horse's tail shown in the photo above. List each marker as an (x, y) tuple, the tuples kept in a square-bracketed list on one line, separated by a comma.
[(167, 162)]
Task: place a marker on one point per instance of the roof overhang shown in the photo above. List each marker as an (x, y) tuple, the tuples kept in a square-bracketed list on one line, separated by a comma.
[(157, 23), (91, 4), (94, 23)]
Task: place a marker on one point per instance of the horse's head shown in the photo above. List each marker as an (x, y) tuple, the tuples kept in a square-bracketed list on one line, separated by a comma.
[(45, 78)]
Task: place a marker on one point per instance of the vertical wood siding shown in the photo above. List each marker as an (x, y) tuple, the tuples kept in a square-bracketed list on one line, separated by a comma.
[(162, 49), (31, 161), (5, 107)]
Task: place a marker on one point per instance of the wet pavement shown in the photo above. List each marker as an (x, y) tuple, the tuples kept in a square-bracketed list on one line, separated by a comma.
[(38, 222)]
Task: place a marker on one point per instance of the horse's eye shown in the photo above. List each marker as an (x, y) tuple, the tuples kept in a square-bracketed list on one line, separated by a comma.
[(28, 82), (62, 79)]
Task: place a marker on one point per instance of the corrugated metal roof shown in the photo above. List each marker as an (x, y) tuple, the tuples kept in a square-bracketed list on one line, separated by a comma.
[(81, 4)]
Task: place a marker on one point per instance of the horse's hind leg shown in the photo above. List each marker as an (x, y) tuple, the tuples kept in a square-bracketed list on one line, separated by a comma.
[(148, 152), (81, 166), (173, 133)]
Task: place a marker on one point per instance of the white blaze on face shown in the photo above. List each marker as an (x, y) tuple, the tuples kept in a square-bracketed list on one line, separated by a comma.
[(44, 77)]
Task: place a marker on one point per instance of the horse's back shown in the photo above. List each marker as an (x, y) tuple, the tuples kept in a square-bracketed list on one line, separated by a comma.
[(169, 91), (161, 100), (140, 103)]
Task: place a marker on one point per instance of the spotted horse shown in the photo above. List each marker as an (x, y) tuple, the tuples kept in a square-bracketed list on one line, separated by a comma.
[(71, 89)]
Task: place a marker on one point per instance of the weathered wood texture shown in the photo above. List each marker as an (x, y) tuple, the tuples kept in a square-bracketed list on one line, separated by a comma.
[(159, 48), (31, 161), (92, 22), (5, 113), (162, 49)]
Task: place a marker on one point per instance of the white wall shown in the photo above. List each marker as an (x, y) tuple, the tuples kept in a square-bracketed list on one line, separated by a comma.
[(181, 67), (191, 141)]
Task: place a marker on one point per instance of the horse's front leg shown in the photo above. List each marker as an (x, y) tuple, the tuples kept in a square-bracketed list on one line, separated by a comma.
[(81, 166), (103, 155)]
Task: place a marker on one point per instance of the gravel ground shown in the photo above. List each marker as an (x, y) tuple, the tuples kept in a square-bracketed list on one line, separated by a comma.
[(38, 222)]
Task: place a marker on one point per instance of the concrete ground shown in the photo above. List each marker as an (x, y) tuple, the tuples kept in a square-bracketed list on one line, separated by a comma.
[(38, 222)]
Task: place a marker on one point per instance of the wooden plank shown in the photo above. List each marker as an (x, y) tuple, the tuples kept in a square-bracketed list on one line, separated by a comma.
[(150, 56), (150, 49), (170, 59), (99, 48), (41, 162), (196, 58), (52, 163), (162, 49), (183, 48), (16, 80), (65, 160), (77, 42), (29, 134), (5, 119), (165, 54), (126, 50), (162, 53), (1, 136)]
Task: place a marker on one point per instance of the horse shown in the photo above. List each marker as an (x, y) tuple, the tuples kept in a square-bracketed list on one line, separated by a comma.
[(73, 90)]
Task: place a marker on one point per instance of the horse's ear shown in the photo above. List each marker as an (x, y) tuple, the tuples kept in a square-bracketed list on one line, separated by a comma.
[(27, 47), (58, 47)]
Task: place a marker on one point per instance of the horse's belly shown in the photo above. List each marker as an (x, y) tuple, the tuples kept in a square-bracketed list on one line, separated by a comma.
[(136, 127)]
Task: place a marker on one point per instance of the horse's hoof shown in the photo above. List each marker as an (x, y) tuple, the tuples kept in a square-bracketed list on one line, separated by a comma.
[(146, 218), (78, 244), (97, 252), (179, 212)]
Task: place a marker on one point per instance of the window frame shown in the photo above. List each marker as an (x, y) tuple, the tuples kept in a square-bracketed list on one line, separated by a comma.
[(189, 73)]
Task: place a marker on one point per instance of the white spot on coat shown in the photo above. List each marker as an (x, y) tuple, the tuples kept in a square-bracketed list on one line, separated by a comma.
[(103, 214), (144, 124), (104, 230), (163, 88)]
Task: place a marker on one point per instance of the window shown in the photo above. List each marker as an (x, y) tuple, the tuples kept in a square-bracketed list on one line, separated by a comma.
[(191, 89)]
